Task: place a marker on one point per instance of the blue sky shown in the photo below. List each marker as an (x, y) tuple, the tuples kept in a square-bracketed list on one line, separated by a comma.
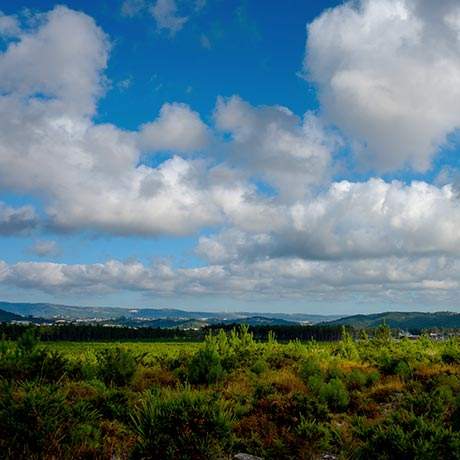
[(298, 156)]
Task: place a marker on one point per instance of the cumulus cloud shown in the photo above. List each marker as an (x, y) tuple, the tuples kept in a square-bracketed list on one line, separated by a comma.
[(289, 278), (388, 74), (17, 221), (350, 221), (9, 26), (61, 60), (271, 142), (91, 175), (166, 17), (177, 128), (308, 236)]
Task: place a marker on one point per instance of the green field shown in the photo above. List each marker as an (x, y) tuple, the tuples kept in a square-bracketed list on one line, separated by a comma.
[(88, 350), (375, 397)]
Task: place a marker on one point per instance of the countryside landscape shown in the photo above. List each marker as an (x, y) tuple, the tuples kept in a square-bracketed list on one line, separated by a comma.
[(340, 388), (229, 230)]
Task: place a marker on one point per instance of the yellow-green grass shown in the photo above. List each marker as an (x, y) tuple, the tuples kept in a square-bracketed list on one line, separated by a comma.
[(88, 350)]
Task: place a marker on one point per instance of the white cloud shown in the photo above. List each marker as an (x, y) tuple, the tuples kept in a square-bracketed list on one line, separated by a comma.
[(350, 221), (177, 128), (166, 17), (388, 73), (45, 248), (131, 8), (9, 26), (91, 176), (311, 238), (272, 143), (62, 60), (17, 221), (389, 279)]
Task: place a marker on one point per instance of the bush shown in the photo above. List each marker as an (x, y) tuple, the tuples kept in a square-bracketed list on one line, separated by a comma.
[(405, 436), (36, 422), (205, 366), (181, 426), (335, 394), (310, 368), (116, 366), (317, 436), (24, 360), (451, 353), (259, 367), (356, 379)]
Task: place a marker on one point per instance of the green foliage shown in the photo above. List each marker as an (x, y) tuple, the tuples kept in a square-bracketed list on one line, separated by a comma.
[(335, 394), (223, 352), (346, 347), (186, 425), (259, 367), (382, 334), (357, 379), (404, 436), (206, 365), (451, 352), (25, 360), (377, 397), (316, 434), (116, 366), (310, 368), (36, 423)]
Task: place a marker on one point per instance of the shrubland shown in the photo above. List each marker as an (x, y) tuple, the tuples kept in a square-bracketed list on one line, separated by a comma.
[(353, 399)]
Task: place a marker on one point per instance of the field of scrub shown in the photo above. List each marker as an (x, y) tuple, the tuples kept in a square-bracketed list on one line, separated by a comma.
[(149, 349), (375, 397)]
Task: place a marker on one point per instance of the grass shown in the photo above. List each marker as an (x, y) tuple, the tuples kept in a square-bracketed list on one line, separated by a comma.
[(87, 350)]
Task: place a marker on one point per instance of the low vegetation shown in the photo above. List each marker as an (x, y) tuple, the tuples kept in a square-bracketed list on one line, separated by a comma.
[(374, 397)]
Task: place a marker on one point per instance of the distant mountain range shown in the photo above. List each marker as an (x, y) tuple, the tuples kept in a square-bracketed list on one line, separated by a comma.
[(172, 318), (153, 317), (402, 320)]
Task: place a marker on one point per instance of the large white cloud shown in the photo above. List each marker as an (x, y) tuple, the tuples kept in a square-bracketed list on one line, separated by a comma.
[(273, 144), (388, 74), (350, 221), (91, 176), (310, 237), (62, 58), (177, 128), (389, 279)]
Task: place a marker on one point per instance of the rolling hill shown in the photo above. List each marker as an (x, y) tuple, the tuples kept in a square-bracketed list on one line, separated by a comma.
[(6, 316), (150, 315), (402, 320)]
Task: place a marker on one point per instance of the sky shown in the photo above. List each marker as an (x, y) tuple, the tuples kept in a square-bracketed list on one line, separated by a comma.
[(231, 154)]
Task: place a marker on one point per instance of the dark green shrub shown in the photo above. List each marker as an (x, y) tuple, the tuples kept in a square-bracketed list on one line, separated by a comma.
[(356, 379), (317, 435), (403, 369), (335, 394), (25, 360), (116, 366), (36, 422), (346, 348), (308, 368), (451, 353), (184, 426), (205, 366), (259, 367), (405, 436)]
